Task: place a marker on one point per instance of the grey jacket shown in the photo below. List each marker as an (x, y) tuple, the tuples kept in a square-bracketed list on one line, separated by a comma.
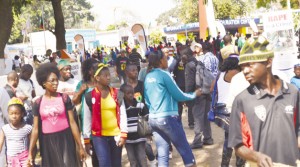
[(190, 75)]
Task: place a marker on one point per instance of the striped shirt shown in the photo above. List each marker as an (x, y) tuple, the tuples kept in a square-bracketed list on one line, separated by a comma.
[(16, 139), (132, 122)]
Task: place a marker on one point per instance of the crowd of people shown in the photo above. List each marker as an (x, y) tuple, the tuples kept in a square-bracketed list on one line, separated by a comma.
[(258, 111)]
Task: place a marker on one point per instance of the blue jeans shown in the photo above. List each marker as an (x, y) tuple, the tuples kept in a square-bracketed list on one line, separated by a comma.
[(169, 129), (108, 153)]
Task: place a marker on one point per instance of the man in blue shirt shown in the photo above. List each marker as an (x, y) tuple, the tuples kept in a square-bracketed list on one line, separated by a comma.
[(296, 79)]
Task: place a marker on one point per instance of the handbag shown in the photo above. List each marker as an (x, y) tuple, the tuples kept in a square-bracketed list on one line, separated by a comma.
[(218, 112), (222, 116), (211, 113), (143, 127)]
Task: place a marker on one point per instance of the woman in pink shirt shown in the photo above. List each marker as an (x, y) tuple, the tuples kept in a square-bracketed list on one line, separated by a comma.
[(54, 123)]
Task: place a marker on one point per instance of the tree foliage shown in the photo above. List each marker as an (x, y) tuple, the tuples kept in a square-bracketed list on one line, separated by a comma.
[(231, 9), (111, 27), (295, 4), (76, 15), (155, 37), (7, 9), (169, 18), (122, 24), (189, 11), (18, 4)]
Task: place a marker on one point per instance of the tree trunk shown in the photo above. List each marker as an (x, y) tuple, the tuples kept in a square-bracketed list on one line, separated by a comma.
[(6, 24), (60, 31)]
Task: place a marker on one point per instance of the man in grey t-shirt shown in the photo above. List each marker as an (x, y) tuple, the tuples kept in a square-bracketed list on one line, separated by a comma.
[(264, 123)]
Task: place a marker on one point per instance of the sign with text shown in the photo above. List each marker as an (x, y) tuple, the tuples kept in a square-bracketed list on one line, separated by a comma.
[(279, 29), (75, 70)]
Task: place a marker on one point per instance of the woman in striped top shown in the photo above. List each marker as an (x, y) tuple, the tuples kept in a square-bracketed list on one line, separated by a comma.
[(16, 134)]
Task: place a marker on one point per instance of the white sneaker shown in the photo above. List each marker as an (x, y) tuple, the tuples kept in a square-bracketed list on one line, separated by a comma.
[(170, 155), (153, 163)]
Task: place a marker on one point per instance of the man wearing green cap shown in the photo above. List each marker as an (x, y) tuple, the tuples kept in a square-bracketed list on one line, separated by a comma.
[(264, 124), (67, 84)]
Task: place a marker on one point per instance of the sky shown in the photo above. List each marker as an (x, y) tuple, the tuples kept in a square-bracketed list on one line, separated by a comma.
[(137, 11)]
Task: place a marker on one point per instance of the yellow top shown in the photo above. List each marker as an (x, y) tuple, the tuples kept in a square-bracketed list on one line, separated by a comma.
[(109, 117)]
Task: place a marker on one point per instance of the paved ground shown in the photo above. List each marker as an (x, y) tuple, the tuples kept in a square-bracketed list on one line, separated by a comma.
[(208, 156)]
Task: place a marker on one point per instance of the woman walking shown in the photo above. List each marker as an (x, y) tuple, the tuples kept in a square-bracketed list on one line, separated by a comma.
[(105, 120), (54, 123), (162, 96)]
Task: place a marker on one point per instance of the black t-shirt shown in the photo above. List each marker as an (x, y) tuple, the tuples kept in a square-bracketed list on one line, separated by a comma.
[(179, 74), (266, 123), (121, 64)]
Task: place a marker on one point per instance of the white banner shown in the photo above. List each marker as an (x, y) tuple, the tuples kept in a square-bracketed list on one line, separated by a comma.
[(139, 33), (75, 70), (279, 29)]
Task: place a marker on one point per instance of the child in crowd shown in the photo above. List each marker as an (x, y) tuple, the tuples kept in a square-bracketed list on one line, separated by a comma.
[(135, 144), (16, 134), (25, 91), (296, 79), (131, 72)]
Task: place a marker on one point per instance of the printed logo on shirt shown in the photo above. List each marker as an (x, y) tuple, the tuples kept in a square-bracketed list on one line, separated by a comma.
[(289, 109), (180, 67), (52, 112), (261, 112), (93, 100), (138, 97), (150, 80)]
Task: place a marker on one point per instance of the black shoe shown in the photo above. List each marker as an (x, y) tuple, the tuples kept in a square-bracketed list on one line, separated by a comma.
[(195, 146), (208, 142)]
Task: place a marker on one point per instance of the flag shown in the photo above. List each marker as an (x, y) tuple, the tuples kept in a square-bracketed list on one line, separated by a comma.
[(80, 43), (139, 32), (211, 18), (41, 26)]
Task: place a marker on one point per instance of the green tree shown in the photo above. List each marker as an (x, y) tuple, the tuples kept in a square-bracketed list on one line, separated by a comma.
[(155, 37), (7, 9), (76, 14), (263, 3), (111, 27), (189, 11), (295, 4), (230, 9), (168, 18)]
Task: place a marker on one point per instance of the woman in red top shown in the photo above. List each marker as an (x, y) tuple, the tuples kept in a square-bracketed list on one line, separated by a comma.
[(105, 120)]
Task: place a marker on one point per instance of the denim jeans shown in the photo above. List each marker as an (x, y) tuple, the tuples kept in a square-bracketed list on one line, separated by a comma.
[(108, 153), (169, 129), (136, 154)]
